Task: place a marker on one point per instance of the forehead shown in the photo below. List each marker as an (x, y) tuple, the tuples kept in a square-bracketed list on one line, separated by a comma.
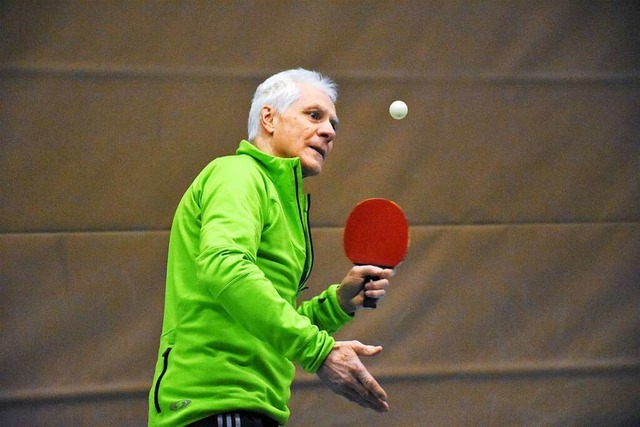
[(311, 96)]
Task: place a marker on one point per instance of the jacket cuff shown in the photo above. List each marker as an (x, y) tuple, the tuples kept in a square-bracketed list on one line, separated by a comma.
[(330, 316), (336, 310)]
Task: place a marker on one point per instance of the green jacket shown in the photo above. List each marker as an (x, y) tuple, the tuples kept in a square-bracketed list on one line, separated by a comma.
[(239, 254)]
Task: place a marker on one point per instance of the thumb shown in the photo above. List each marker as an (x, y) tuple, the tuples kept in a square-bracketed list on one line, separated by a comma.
[(366, 350)]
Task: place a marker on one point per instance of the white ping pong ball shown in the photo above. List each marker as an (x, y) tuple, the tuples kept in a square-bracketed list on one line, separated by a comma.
[(398, 110)]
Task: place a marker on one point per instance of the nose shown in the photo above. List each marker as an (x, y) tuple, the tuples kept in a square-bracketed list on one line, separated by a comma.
[(327, 131)]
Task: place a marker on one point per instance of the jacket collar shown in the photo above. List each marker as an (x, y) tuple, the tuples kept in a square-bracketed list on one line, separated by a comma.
[(275, 166)]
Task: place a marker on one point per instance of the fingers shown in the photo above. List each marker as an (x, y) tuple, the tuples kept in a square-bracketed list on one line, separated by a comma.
[(376, 280), (346, 375), (364, 390), (363, 397), (363, 271), (376, 288), (373, 393), (363, 280), (365, 400), (370, 393)]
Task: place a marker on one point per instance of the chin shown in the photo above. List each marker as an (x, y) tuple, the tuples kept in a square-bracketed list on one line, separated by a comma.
[(308, 171)]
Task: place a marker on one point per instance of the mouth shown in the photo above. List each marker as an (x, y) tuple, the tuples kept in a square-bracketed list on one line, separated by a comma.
[(320, 151)]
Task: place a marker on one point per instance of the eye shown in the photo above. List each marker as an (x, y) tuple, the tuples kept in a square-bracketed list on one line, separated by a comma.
[(315, 115)]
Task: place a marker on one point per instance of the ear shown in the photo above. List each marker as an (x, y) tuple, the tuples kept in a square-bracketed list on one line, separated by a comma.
[(267, 119)]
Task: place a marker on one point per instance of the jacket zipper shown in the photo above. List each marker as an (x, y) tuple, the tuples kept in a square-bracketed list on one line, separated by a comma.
[(156, 393), (308, 262)]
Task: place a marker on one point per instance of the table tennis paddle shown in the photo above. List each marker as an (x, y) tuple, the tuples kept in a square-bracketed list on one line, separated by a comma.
[(376, 233)]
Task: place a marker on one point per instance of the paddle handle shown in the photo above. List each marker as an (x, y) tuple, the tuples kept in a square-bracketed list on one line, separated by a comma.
[(368, 301)]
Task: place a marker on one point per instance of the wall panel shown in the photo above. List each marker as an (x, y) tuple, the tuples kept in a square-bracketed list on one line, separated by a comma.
[(81, 310), (517, 166), (524, 400)]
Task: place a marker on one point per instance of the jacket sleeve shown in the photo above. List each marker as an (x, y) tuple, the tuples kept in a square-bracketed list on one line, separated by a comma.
[(324, 311), (226, 266)]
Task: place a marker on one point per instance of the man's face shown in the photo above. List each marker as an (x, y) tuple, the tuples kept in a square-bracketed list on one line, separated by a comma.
[(306, 130)]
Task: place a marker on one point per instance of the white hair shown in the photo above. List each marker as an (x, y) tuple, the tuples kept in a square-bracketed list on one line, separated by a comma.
[(281, 90)]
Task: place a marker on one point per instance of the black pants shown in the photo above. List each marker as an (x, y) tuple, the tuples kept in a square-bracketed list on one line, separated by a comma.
[(235, 419)]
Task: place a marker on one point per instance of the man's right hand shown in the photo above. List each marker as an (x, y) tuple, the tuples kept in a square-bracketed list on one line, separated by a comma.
[(352, 289), (345, 374)]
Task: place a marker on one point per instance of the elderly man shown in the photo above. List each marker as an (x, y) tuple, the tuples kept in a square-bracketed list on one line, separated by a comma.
[(239, 255)]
